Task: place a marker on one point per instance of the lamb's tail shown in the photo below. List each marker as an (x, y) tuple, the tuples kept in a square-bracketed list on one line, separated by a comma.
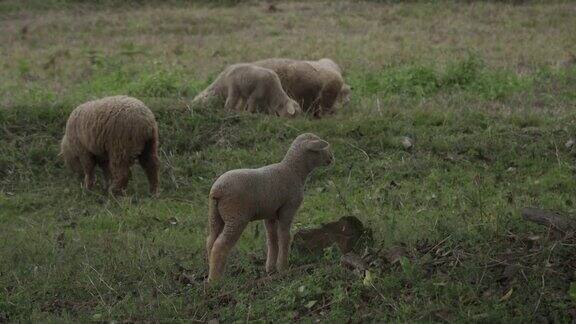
[(213, 213), (214, 218)]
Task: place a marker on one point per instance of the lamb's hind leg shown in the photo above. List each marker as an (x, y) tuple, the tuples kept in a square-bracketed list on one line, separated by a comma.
[(150, 163), (222, 246), (233, 100), (215, 226)]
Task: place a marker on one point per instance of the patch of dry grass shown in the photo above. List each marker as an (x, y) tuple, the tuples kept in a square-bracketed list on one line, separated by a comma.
[(56, 49)]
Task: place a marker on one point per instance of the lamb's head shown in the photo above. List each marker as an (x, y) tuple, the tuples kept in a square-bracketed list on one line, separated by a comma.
[(290, 108), (312, 150), (71, 159)]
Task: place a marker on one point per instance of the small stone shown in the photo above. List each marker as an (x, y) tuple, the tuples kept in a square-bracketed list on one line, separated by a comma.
[(353, 261), (407, 142)]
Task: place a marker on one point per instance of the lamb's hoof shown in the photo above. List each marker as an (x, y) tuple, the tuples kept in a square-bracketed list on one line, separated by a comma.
[(282, 268)]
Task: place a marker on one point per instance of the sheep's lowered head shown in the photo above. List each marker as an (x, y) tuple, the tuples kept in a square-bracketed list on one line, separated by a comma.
[(344, 95), (310, 149), (70, 159), (289, 109)]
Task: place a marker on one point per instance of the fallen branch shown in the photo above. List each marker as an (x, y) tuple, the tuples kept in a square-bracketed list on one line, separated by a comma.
[(550, 219)]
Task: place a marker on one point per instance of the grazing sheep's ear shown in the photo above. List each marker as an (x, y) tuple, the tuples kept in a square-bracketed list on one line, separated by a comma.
[(317, 145)]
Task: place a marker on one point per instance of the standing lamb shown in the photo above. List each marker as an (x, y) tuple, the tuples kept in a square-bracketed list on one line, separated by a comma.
[(315, 85), (272, 193), (112, 132), (252, 88)]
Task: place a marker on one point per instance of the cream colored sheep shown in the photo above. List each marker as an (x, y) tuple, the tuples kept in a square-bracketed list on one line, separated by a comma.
[(315, 85), (252, 88), (272, 193), (112, 132)]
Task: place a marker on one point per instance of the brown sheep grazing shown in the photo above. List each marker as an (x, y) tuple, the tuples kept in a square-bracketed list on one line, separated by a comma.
[(112, 133), (316, 85), (272, 193), (346, 91), (252, 88)]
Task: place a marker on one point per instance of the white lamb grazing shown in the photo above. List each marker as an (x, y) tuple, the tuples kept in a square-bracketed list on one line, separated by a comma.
[(272, 193), (252, 88)]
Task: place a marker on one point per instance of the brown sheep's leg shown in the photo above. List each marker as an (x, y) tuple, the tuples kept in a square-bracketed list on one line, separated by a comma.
[(251, 105), (103, 164), (241, 105), (150, 163), (272, 244), (88, 163), (120, 174), (222, 246)]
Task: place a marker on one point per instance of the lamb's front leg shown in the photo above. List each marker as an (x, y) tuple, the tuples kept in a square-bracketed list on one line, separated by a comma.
[(271, 243), (285, 218)]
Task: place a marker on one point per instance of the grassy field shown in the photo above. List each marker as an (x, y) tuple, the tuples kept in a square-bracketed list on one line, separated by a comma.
[(486, 90)]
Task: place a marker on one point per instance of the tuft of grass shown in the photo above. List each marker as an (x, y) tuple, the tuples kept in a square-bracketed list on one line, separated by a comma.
[(160, 84), (469, 75)]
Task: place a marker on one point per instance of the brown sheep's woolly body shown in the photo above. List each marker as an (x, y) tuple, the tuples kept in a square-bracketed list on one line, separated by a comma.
[(112, 133), (315, 85)]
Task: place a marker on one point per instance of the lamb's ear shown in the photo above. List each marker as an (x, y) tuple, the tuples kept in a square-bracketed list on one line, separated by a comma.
[(291, 110), (317, 145)]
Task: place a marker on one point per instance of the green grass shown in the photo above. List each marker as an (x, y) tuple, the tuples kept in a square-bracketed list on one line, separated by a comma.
[(488, 111)]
